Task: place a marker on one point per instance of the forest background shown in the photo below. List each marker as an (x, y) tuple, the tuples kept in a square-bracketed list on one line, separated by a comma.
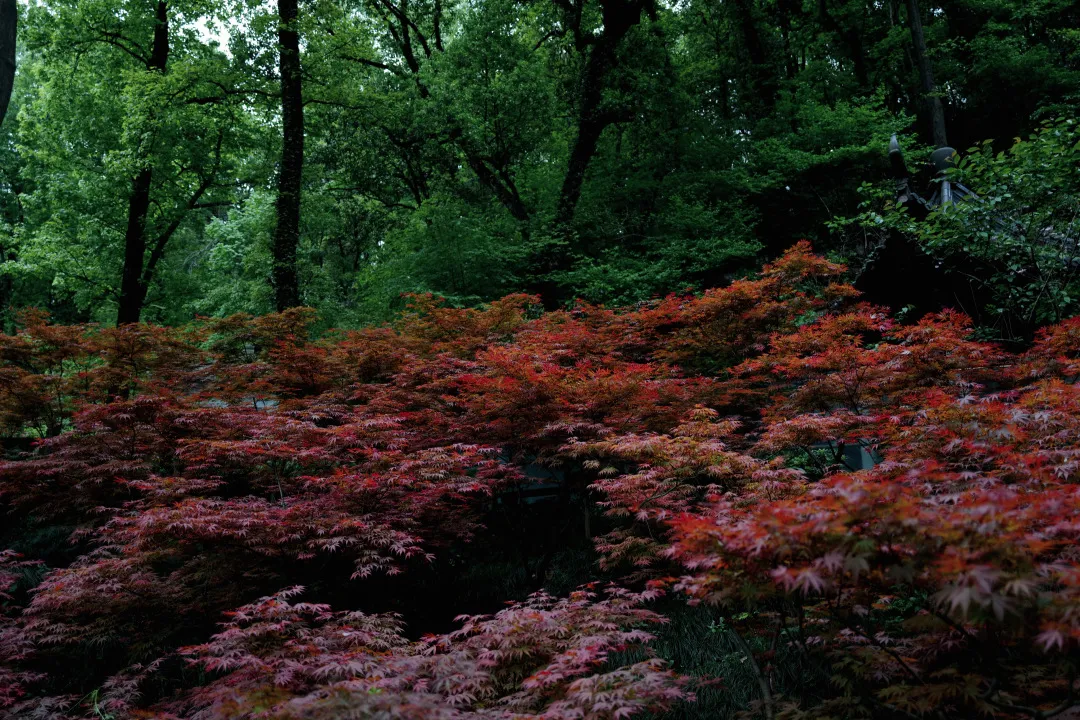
[(161, 161)]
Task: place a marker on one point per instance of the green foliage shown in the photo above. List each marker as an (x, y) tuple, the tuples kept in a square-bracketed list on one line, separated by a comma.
[(231, 267), (693, 242), (468, 255), (95, 117), (1016, 238), (439, 137), (1023, 225)]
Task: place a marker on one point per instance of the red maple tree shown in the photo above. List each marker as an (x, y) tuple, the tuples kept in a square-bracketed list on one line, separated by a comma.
[(711, 447)]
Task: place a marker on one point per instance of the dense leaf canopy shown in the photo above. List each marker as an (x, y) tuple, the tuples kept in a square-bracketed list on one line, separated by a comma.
[(233, 519), (612, 150)]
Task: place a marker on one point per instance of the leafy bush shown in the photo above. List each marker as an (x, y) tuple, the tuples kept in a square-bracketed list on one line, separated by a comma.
[(697, 446)]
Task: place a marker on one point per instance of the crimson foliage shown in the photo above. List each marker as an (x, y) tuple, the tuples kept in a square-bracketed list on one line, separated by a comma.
[(235, 519)]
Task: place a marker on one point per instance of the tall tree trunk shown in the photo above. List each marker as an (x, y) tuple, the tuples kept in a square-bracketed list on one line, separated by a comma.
[(9, 17), (618, 17), (133, 284), (132, 291), (290, 174), (926, 75), (591, 125), (764, 85), (852, 37)]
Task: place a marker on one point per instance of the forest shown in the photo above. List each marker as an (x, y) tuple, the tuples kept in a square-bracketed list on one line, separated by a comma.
[(539, 359)]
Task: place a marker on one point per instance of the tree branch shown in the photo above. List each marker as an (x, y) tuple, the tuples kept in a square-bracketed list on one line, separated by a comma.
[(114, 39), (372, 63), (162, 240), (763, 682)]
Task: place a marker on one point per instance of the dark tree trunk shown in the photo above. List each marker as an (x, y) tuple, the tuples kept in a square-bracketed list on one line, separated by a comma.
[(926, 76), (590, 128), (132, 290), (762, 74), (618, 16), (290, 175), (852, 38), (9, 16), (133, 282)]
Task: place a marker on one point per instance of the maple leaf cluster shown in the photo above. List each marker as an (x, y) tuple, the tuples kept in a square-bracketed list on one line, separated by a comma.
[(236, 518)]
